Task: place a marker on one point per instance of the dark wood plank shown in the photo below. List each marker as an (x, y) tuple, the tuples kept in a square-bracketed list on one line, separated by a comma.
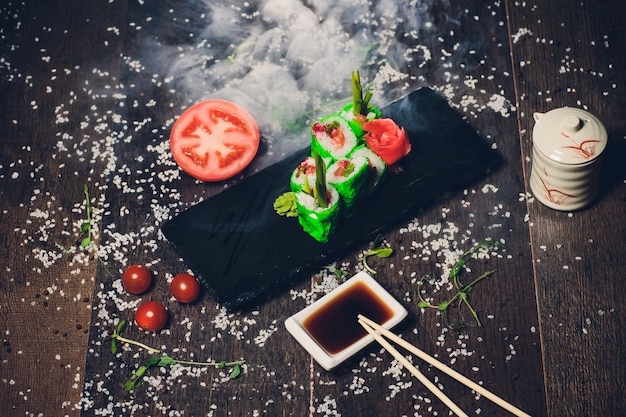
[(47, 48), (276, 381), (572, 60)]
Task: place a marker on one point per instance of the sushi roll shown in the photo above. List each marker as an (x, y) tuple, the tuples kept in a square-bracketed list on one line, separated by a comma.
[(359, 111), (332, 138), (318, 221), (349, 177), (356, 120), (303, 176), (376, 169), (346, 164)]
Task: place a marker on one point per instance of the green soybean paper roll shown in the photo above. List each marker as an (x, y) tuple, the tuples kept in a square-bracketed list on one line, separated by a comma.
[(355, 121), (303, 176), (376, 167), (317, 221), (332, 138), (349, 177), (360, 110)]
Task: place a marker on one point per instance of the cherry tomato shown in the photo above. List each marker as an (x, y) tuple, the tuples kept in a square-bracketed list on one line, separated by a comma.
[(151, 316), (214, 140), (185, 288), (137, 279)]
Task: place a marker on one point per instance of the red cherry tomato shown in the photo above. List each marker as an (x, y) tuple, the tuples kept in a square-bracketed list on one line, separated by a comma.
[(137, 279), (151, 316), (214, 140), (185, 288)]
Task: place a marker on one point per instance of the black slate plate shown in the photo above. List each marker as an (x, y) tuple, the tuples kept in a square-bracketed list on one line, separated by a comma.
[(240, 248)]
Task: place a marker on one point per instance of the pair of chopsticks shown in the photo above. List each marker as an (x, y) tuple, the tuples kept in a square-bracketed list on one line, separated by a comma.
[(378, 332)]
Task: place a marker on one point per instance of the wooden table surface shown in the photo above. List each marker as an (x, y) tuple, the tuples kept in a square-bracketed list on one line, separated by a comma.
[(91, 89)]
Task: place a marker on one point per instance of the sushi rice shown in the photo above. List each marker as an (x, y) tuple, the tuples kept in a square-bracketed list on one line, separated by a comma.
[(377, 166), (319, 222), (349, 177), (355, 124), (333, 137), (304, 172)]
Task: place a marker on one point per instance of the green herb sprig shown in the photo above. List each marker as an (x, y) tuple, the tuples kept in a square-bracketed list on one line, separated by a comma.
[(162, 361), (379, 249), (339, 273), (117, 337), (461, 296), (85, 237)]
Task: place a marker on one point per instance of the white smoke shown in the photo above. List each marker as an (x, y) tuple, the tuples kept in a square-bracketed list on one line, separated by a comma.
[(286, 61)]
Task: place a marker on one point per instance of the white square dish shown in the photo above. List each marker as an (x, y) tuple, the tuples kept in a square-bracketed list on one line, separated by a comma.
[(325, 328)]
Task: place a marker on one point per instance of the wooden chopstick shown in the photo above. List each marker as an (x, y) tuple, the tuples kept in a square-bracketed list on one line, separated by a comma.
[(408, 365), (381, 331)]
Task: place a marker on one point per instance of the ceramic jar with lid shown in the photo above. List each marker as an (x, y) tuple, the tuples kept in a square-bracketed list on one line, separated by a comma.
[(567, 145)]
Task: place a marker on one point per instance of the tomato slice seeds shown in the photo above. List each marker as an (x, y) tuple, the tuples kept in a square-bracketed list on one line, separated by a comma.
[(214, 140)]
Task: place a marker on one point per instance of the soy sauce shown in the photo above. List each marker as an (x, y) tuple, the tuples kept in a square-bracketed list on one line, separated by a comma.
[(335, 326)]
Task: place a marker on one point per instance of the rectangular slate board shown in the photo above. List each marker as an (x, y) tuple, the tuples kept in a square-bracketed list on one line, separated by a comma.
[(240, 248)]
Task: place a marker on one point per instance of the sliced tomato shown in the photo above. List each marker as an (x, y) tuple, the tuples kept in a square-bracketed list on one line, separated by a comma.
[(214, 140)]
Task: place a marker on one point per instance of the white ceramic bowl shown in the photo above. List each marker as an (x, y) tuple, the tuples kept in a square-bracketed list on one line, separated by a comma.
[(296, 323)]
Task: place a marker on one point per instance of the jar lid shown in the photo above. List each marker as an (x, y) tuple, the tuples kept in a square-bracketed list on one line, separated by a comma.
[(569, 135)]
